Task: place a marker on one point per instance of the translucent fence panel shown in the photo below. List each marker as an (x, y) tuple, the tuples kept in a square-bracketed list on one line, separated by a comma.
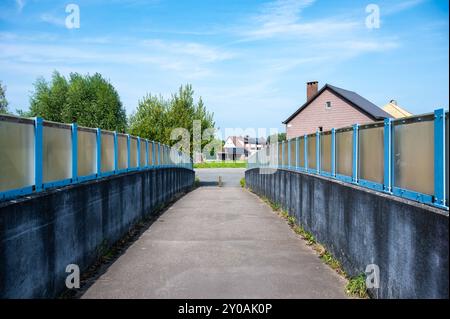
[(133, 152), (150, 153), (285, 154), (107, 157), (325, 152), (122, 149), (312, 154), (446, 159), (292, 154), (87, 152), (280, 154), (16, 153), (157, 154), (143, 147), (301, 151), (344, 151), (371, 152), (57, 153), (414, 155)]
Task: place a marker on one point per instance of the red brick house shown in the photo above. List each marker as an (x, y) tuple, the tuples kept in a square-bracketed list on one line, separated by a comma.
[(331, 107)]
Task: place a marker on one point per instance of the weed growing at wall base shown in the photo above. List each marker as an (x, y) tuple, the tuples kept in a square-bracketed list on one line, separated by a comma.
[(356, 286)]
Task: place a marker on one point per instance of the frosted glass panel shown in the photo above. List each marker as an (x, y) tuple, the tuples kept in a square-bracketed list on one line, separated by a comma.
[(371, 154), (344, 149), (133, 152), (325, 153), (16, 155), (414, 156), (57, 153), (312, 141), (285, 154), (87, 153), (446, 159), (157, 154), (280, 154), (107, 158), (150, 153), (292, 154), (301, 152), (123, 151), (143, 153)]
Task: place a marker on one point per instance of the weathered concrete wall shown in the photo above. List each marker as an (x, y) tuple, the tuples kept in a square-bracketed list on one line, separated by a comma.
[(41, 235), (407, 240)]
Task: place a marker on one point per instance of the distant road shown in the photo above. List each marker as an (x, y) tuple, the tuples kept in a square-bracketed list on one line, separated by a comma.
[(230, 176)]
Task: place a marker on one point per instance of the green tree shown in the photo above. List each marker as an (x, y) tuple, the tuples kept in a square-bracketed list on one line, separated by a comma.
[(280, 137), (87, 100), (3, 100), (156, 117)]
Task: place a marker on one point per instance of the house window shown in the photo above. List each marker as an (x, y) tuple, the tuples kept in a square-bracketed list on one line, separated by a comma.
[(328, 105)]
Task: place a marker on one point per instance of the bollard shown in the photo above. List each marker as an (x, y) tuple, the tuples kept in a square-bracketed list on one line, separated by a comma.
[(220, 181)]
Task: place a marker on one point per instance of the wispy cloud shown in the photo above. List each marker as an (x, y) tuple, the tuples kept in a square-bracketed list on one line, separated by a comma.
[(282, 18), (397, 7), (52, 19), (20, 5)]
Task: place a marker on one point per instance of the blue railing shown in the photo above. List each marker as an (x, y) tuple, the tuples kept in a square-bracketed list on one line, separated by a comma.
[(405, 157), (36, 155)]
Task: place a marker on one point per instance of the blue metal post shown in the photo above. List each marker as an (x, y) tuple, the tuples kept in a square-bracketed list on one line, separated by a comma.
[(146, 154), (138, 153), (333, 152), (74, 152), (439, 158), (296, 152), (38, 153), (387, 186), (99, 152), (282, 154), (318, 152), (306, 152), (116, 154), (355, 154)]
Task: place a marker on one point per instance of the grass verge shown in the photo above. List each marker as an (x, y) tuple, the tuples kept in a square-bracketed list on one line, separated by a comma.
[(221, 164)]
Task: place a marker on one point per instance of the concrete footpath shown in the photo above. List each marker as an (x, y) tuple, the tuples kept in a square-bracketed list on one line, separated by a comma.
[(218, 242)]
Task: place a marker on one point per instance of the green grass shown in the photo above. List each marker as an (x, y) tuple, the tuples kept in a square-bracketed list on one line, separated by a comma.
[(357, 286), (221, 164), (242, 182)]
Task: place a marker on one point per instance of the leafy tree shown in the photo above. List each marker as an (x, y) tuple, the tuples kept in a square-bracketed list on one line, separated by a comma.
[(87, 100), (156, 117), (280, 137), (3, 100)]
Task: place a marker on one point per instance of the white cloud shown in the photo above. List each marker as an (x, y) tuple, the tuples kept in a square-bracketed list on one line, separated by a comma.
[(52, 19), (400, 6), (20, 5)]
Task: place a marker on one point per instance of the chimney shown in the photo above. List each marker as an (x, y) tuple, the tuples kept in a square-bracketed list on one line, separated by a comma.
[(311, 89)]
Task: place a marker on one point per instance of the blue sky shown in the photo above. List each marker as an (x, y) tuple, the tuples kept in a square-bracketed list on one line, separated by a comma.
[(249, 60)]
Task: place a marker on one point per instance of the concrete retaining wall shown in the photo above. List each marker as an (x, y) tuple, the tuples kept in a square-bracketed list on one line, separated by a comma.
[(407, 240), (42, 234)]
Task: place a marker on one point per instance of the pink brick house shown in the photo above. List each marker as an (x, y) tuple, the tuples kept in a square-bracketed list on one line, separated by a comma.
[(331, 107)]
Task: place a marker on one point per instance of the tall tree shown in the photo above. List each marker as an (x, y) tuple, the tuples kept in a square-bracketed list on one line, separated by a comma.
[(156, 117), (87, 100), (3, 100)]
